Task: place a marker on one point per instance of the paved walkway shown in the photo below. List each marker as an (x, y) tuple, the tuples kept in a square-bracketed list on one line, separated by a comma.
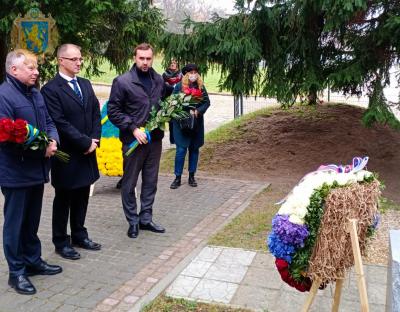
[(126, 271), (249, 279)]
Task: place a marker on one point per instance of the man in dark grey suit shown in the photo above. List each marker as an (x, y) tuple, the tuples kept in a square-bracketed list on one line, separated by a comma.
[(132, 97), (75, 111)]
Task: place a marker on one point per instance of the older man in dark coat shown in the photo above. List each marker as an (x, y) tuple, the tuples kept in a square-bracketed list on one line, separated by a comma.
[(76, 113), (23, 173)]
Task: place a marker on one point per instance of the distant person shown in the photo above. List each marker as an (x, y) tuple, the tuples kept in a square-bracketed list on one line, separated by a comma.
[(172, 74), (132, 97), (24, 172), (190, 139), (76, 113)]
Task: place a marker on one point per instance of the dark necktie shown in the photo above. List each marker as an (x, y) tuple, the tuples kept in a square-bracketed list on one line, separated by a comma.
[(76, 89)]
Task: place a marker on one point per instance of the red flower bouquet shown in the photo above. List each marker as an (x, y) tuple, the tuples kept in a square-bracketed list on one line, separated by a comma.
[(20, 132), (197, 94)]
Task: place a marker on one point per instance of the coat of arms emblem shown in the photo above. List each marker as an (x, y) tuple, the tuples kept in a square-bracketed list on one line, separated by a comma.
[(35, 32)]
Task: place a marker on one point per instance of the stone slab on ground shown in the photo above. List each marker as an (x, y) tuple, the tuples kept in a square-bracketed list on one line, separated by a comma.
[(249, 279), (393, 293)]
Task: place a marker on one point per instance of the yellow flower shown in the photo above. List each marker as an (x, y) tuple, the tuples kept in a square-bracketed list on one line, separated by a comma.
[(109, 157)]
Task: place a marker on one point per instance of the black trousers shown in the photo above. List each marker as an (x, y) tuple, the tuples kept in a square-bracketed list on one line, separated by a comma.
[(72, 203), (145, 159), (21, 244)]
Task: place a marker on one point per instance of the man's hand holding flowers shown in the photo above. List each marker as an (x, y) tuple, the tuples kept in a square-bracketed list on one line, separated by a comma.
[(140, 135), (51, 149)]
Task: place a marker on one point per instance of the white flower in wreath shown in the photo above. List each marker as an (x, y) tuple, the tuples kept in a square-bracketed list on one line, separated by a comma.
[(362, 174), (295, 204), (346, 178), (296, 219)]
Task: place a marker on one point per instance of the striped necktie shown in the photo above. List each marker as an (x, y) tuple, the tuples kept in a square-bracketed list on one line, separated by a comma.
[(76, 89)]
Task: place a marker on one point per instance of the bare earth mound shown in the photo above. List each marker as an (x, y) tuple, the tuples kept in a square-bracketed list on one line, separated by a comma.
[(282, 146), (287, 145)]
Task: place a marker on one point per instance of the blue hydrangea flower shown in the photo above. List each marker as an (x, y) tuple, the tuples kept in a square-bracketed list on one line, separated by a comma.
[(279, 249)]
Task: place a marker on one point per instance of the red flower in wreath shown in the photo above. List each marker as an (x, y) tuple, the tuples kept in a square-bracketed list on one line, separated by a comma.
[(283, 269)]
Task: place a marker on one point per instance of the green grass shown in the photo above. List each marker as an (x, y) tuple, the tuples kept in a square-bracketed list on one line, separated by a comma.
[(167, 304), (387, 204), (210, 81), (249, 229)]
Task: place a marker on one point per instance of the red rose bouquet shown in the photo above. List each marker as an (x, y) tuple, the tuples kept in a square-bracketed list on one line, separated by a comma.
[(197, 94), (20, 132)]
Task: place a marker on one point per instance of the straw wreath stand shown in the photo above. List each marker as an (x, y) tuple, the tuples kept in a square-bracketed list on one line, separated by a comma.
[(362, 289)]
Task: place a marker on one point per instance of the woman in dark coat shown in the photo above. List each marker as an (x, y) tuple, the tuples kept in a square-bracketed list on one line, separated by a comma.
[(190, 140)]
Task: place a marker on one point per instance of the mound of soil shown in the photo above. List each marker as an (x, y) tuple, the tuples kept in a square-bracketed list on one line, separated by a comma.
[(282, 146)]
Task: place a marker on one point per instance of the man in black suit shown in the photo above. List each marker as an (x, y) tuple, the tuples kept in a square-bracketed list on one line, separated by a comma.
[(75, 111), (132, 97)]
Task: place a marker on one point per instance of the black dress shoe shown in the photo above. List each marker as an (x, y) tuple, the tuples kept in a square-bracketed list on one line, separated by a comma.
[(133, 231), (68, 252), (43, 269), (22, 285), (192, 180), (88, 244), (151, 226), (176, 183)]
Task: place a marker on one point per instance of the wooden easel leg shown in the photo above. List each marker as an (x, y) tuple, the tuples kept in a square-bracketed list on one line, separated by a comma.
[(338, 293), (362, 289), (311, 296)]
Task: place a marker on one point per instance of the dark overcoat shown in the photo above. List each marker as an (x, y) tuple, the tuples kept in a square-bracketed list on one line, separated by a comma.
[(18, 167), (129, 105), (195, 139), (77, 123)]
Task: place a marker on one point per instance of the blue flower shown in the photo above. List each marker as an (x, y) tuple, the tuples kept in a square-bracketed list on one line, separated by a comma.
[(280, 249)]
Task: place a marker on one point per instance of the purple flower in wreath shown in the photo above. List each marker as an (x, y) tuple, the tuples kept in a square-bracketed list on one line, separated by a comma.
[(376, 221), (288, 232), (279, 249)]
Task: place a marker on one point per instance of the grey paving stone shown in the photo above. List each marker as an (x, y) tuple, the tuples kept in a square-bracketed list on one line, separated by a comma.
[(80, 309), (230, 256), (209, 253), (255, 298), (376, 274), (259, 277), (182, 286), (66, 308), (50, 306), (214, 291), (264, 260), (197, 268), (232, 273)]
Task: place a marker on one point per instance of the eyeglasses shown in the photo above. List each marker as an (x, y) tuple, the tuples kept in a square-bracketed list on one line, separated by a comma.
[(73, 59)]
